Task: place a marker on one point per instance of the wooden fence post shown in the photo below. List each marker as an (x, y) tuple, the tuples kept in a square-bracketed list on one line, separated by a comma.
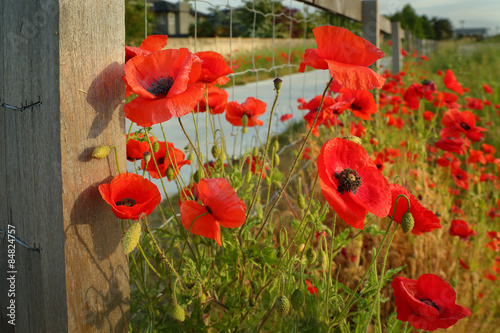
[(409, 40), (61, 95), (396, 47), (370, 21)]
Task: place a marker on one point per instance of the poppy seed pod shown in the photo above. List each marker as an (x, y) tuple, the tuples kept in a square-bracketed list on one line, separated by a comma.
[(101, 152), (277, 83), (297, 299), (407, 222), (146, 157)]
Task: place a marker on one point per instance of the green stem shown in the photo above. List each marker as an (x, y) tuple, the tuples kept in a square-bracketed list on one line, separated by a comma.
[(200, 161), (116, 158)]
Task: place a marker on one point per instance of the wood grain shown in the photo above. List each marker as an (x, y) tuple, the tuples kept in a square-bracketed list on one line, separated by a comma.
[(69, 55)]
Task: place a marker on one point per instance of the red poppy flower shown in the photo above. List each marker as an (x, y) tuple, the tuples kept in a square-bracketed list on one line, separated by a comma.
[(446, 99), (285, 117), (451, 141), (428, 115), (425, 220), (357, 129), (476, 156), (130, 195), (310, 288), (461, 229), (214, 68), (346, 56), (223, 206), (165, 84), (361, 102), (217, 101), (252, 108), (451, 82), (256, 166), (152, 43), (460, 176), (488, 149), (487, 89), (413, 95), (474, 103), (137, 146), (427, 303), (351, 182), (464, 264), (175, 162)]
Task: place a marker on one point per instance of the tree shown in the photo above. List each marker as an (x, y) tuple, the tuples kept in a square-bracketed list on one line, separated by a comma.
[(443, 28)]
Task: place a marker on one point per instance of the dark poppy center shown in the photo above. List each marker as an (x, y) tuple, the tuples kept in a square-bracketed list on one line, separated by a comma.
[(355, 107), (429, 302), (209, 209), (464, 126), (161, 160), (349, 181), (426, 82), (126, 202), (458, 176), (162, 85)]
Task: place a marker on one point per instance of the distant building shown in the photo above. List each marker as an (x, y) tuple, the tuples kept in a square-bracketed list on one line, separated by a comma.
[(173, 19), (478, 33)]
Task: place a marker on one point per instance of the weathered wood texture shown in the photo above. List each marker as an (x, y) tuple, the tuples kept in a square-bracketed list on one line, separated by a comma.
[(69, 55), (371, 22), (396, 46)]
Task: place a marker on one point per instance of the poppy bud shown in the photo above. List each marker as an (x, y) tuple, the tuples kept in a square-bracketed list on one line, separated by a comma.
[(101, 152), (245, 130), (222, 157), (170, 173), (282, 305), (215, 151), (276, 145), (178, 313), (248, 177), (300, 248), (311, 255), (131, 238), (156, 146), (277, 83), (301, 202), (353, 138), (276, 160), (407, 222), (323, 260), (297, 299), (281, 251), (197, 176), (255, 151), (202, 299), (244, 121), (146, 156)]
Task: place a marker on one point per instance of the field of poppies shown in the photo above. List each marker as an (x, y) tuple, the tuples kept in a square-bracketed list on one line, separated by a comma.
[(379, 212)]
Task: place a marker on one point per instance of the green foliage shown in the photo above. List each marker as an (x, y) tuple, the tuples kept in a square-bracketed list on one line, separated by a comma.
[(421, 26), (134, 22)]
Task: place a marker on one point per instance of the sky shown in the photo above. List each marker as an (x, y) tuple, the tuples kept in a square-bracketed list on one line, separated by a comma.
[(473, 13)]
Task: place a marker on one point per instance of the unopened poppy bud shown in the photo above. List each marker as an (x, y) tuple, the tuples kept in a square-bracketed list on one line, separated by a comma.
[(300, 248), (191, 157), (282, 305), (146, 156), (277, 83), (301, 202), (131, 238), (276, 145), (281, 251), (297, 299), (276, 160), (156, 146), (255, 151), (353, 138), (178, 313), (407, 222), (311, 255), (215, 151), (222, 157), (101, 152), (245, 130), (197, 176), (202, 299), (248, 177), (244, 121), (323, 260), (170, 173)]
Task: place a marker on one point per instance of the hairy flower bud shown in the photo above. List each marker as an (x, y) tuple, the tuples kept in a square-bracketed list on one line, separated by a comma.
[(301, 201), (282, 305), (297, 299), (311, 255), (156, 146), (170, 173), (101, 152), (244, 121), (178, 313), (197, 176), (407, 222), (353, 138), (131, 238), (215, 151), (276, 160)]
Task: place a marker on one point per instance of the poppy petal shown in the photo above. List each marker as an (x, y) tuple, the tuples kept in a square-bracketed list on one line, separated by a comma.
[(354, 77), (182, 104), (154, 43), (205, 226), (147, 112)]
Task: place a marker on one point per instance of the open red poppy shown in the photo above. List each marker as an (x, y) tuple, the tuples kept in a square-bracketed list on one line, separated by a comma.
[(213, 68), (175, 162), (362, 103), (351, 182), (217, 101), (451, 82), (152, 43), (462, 122), (346, 56), (130, 195), (252, 108), (165, 84), (461, 229), (137, 146), (220, 206), (425, 220), (427, 303)]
